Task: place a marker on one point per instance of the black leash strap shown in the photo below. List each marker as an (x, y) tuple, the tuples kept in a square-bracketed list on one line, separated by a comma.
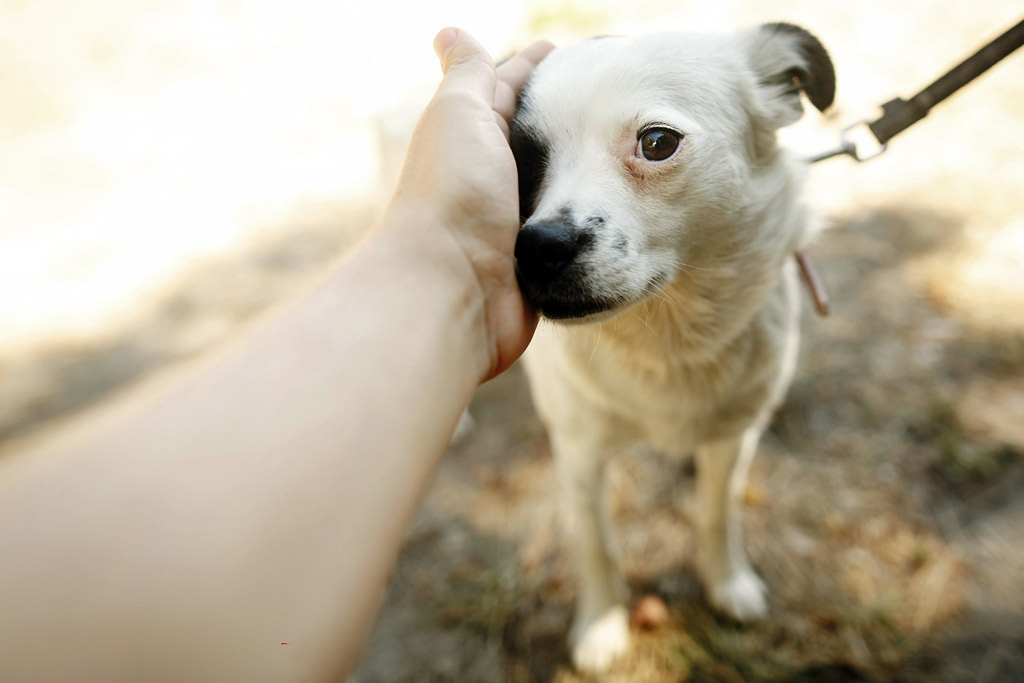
[(900, 114)]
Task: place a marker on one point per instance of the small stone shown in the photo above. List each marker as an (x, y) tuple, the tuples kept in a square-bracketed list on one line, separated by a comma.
[(649, 613), (753, 495)]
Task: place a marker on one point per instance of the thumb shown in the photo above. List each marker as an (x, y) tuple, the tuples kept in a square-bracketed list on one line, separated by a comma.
[(465, 63)]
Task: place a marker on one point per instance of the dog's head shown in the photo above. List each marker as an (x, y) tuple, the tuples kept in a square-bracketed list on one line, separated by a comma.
[(640, 157)]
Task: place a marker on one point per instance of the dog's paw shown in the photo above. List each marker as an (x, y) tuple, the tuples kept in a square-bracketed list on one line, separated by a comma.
[(597, 642), (742, 596)]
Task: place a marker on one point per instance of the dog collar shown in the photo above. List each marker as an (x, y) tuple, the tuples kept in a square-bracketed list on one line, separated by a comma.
[(813, 282)]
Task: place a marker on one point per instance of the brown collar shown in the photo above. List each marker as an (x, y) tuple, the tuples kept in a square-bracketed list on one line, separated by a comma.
[(813, 282)]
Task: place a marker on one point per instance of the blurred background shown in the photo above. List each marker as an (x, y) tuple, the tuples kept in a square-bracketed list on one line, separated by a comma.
[(170, 169)]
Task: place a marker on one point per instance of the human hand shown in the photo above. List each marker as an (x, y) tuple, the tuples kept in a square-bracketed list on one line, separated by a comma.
[(459, 188)]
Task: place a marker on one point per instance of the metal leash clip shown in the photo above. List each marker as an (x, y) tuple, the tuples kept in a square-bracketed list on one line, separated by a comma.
[(900, 114), (850, 147)]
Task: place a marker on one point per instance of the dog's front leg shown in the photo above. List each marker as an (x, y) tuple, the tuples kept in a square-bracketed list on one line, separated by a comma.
[(600, 630), (731, 585)]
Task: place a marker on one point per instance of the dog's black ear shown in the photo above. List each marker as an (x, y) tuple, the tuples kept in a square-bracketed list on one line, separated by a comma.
[(787, 60)]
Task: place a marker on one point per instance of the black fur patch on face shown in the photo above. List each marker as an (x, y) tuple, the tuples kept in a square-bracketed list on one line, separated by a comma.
[(564, 298), (531, 153)]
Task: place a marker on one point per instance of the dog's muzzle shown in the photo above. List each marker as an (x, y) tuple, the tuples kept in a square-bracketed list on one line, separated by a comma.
[(547, 260)]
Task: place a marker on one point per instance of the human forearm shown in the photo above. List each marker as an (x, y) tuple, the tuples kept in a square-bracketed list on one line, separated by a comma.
[(238, 522), (236, 489)]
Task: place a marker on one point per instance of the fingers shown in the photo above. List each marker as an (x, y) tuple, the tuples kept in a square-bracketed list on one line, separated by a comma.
[(512, 76), (468, 66), (515, 71), (465, 63)]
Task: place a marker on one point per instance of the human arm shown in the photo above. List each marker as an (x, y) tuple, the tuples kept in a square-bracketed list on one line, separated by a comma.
[(260, 498)]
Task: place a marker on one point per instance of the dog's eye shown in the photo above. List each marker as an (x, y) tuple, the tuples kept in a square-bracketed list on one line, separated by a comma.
[(658, 144)]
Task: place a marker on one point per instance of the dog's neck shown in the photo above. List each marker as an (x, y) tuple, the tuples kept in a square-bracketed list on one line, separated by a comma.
[(684, 324), (706, 310), (688, 323)]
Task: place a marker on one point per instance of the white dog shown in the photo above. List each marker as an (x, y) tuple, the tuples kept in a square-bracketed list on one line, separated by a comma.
[(660, 223)]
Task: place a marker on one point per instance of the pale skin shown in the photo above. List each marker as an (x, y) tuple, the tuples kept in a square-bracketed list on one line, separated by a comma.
[(260, 497)]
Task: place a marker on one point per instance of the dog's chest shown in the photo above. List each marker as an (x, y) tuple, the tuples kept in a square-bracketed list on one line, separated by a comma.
[(669, 410), (677, 406), (613, 395)]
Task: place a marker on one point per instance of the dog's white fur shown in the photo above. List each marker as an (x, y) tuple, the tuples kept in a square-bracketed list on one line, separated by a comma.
[(696, 253)]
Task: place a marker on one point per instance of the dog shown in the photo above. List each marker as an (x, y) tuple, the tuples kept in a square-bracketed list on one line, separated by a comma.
[(660, 219)]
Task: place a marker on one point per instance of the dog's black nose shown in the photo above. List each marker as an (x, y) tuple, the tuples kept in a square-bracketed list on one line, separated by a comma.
[(543, 250)]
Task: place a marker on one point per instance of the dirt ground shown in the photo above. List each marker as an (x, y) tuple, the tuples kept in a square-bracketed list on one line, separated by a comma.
[(885, 509)]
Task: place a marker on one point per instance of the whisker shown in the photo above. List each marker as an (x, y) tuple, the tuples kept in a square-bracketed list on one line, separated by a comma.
[(660, 294), (597, 342), (687, 267), (647, 324)]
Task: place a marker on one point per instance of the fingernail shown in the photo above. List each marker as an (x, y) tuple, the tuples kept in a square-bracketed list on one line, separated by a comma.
[(444, 42)]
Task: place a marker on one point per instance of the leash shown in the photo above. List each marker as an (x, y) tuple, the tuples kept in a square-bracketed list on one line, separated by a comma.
[(897, 116), (900, 114)]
